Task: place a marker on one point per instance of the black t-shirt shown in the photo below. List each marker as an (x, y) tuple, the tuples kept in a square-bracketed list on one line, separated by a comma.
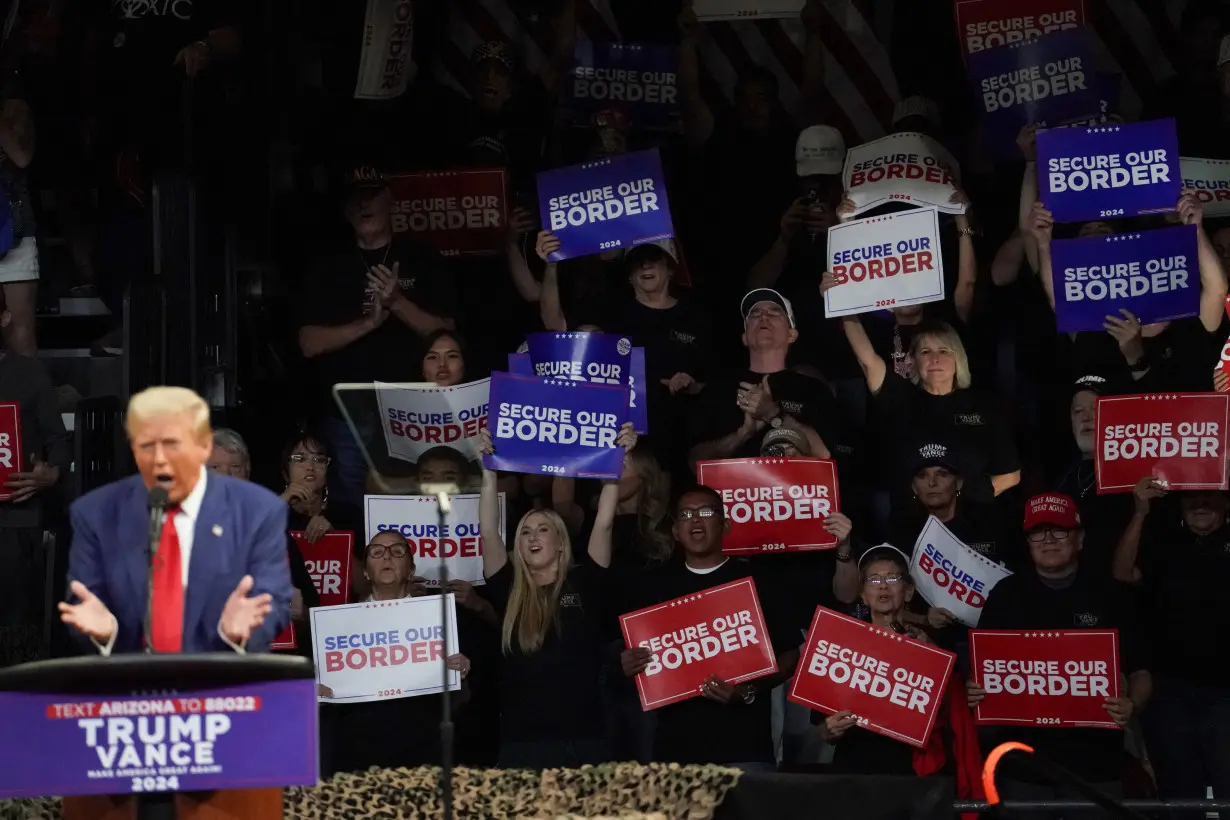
[(1103, 515), (336, 293), (700, 730), (906, 416), (1181, 357), (1185, 577), (137, 83), (676, 339), (806, 399), (1024, 601), (554, 693)]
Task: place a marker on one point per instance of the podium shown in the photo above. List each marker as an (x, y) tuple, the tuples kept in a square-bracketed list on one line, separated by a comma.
[(148, 737)]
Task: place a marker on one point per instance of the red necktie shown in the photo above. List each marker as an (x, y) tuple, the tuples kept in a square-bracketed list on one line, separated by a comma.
[(167, 610)]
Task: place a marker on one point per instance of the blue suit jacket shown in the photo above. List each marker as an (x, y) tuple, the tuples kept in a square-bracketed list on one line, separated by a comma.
[(241, 530)]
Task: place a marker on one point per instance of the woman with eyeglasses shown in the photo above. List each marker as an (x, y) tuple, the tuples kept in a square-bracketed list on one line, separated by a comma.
[(554, 622), (305, 464), (402, 732), (952, 749)]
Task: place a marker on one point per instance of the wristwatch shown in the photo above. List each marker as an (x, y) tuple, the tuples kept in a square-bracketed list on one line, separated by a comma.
[(845, 557)]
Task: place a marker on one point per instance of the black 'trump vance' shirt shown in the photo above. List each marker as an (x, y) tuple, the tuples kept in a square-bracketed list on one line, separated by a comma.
[(554, 693), (700, 730), (1089, 601), (906, 416)]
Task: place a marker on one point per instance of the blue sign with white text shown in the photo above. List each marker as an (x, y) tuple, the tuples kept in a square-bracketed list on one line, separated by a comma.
[(639, 78), (1048, 80), (616, 202), (1109, 171), (1154, 274), (598, 358), (254, 735), (556, 427)]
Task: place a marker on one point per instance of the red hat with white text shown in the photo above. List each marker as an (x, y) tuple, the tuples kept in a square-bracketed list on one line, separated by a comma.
[(1051, 509)]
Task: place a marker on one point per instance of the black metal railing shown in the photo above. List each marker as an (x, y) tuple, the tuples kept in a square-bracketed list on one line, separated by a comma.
[(1149, 806)]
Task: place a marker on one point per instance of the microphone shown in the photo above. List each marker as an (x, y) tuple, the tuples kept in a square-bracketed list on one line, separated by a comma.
[(158, 501)]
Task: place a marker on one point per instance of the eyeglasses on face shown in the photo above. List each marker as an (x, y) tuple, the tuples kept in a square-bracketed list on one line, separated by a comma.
[(381, 550), (688, 513), (319, 460), (756, 314), (877, 580), (1057, 533)]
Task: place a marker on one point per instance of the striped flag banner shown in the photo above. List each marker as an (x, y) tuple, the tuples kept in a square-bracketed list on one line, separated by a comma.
[(1137, 39)]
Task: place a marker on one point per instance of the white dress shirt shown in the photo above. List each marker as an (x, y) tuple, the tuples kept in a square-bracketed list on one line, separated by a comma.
[(185, 529)]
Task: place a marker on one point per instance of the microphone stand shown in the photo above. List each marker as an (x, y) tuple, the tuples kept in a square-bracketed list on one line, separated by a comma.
[(444, 506)]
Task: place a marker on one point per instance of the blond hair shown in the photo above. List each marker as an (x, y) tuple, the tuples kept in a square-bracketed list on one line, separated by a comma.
[(169, 401), (943, 333), (532, 609)]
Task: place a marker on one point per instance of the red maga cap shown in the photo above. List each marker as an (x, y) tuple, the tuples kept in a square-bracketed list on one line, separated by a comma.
[(1055, 509)]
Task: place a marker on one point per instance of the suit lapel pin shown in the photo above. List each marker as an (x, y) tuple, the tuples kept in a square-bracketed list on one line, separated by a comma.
[(217, 530)]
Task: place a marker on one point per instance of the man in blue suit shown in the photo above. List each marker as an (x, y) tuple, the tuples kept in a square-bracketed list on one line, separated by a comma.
[(221, 581)]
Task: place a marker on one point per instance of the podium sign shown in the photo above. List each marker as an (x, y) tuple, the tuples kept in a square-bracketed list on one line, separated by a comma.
[(256, 735)]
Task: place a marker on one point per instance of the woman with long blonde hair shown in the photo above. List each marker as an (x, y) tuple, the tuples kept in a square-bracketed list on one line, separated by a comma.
[(553, 618)]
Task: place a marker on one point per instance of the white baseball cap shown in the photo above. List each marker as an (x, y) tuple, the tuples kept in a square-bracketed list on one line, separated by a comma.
[(820, 149), (881, 549), (1223, 53), (759, 295)]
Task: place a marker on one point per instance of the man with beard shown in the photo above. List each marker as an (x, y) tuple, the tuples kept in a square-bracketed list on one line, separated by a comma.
[(1103, 516), (1182, 564), (728, 724)]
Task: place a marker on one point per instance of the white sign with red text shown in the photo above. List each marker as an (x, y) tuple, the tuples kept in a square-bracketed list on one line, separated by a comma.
[(382, 650), (1210, 179), (885, 262), (949, 575), (892, 683), (459, 544), (385, 67), (907, 167), (416, 418)]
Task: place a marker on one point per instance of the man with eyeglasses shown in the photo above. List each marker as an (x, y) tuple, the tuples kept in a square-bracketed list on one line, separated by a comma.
[(1059, 594), (737, 408), (728, 724)]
